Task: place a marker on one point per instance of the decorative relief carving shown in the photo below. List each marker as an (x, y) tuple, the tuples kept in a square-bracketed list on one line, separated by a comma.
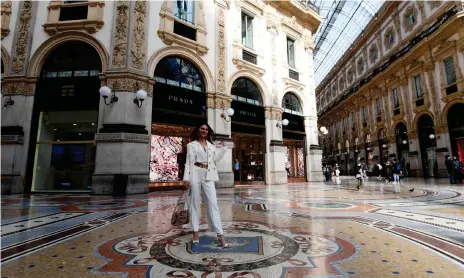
[(122, 137), (120, 36), (127, 82), (22, 41), (221, 51), (434, 4), (273, 113), (18, 86), (138, 34), (433, 93), (218, 101), (5, 14)]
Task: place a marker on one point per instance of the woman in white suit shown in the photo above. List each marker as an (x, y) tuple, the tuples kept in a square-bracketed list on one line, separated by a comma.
[(200, 174)]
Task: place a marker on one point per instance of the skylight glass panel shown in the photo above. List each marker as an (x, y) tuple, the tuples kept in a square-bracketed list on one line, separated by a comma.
[(342, 22)]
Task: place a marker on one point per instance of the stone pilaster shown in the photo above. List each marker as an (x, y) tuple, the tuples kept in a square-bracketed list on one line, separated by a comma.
[(275, 149), (314, 152), (221, 123), (15, 130), (123, 138)]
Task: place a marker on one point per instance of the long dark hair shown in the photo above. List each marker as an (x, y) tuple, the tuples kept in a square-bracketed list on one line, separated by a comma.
[(209, 136)]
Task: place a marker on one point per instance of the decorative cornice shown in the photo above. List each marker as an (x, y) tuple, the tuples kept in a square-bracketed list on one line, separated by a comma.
[(291, 26), (273, 113), (123, 137), (290, 82), (244, 65), (127, 82), (19, 85), (218, 101), (254, 6)]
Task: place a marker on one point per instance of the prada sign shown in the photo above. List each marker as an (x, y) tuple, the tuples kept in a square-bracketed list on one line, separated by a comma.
[(178, 99), (247, 113), (295, 122)]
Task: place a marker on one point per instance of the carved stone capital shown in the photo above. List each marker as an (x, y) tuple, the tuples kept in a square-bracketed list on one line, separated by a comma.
[(127, 82), (14, 85), (5, 18), (218, 101), (273, 113)]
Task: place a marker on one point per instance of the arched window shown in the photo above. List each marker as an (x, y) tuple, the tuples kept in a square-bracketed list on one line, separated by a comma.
[(178, 72), (246, 90), (291, 104), (73, 59)]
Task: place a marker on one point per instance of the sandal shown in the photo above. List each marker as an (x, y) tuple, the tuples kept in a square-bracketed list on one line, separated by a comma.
[(196, 241), (223, 244)]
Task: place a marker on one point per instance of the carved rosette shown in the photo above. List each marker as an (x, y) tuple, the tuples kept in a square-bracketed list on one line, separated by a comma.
[(22, 39), (121, 34), (5, 13), (138, 34), (218, 101), (18, 86), (221, 54), (127, 82), (273, 113)]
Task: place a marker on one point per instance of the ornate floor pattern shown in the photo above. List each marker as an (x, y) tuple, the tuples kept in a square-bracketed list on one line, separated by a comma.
[(295, 230)]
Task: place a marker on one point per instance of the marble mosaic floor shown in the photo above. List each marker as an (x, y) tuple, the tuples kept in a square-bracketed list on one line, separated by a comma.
[(295, 230)]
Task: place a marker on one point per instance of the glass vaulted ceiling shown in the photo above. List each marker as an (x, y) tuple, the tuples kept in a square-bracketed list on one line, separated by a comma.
[(342, 22)]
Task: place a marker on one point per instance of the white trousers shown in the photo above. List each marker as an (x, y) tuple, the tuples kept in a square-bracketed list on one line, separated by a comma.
[(198, 185)]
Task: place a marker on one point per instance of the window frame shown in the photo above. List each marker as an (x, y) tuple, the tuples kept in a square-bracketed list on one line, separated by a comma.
[(248, 37), (192, 13), (288, 52), (453, 67), (418, 88)]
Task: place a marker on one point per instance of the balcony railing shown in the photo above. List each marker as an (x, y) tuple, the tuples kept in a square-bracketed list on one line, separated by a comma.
[(451, 89), (309, 5), (249, 57), (293, 75)]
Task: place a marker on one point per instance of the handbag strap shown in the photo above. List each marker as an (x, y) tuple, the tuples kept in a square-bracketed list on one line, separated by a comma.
[(180, 197)]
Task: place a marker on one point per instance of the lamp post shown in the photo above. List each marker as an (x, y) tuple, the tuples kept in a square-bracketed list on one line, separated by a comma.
[(227, 114)]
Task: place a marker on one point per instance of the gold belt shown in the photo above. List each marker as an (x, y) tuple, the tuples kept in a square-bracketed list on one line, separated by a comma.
[(201, 165)]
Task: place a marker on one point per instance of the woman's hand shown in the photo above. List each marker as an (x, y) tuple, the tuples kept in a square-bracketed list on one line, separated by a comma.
[(186, 185)]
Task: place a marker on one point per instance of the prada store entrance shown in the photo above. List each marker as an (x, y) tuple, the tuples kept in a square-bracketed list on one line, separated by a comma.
[(294, 138), (179, 105), (248, 133)]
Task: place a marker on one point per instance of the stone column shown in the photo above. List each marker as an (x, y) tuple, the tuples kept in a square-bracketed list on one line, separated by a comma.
[(275, 150), (220, 122), (414, 157), (314, 152), (16, 125), (123, 139)]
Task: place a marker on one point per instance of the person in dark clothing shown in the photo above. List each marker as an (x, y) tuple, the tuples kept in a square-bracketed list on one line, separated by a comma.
[(359, 174), (396, 171), (457, 170), (388, 172), (450, 168)]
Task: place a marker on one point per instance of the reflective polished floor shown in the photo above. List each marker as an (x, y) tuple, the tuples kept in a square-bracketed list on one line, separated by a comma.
[(296, 230)]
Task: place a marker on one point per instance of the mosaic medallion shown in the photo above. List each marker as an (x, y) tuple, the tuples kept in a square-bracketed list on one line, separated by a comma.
[(256, 250), (326, 205)]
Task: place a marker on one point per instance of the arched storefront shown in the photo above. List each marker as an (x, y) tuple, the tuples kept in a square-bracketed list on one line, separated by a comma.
[(402, 144), (427, 144), (369, 154), (179, 105), (64, 119), (294, 137), (248, 131), (383, 149), (456, 130)]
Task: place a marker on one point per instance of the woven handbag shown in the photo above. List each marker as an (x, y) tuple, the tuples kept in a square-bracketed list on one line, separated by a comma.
[(180, 215)]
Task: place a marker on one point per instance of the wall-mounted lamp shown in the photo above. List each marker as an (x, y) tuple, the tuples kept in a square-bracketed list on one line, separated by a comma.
[(227, 114), (346, 153), (432, 136), (356, 151), (384, 146), (140, 96), (106, 92), (368, 149), (8, 102), (404, 142), (283, 123), (322, 131)]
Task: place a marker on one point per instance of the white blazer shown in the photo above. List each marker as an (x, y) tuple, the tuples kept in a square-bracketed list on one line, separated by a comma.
[(214, 155)]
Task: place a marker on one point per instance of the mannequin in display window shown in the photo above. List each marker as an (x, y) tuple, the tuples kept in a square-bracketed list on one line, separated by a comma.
[(199, 177)]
